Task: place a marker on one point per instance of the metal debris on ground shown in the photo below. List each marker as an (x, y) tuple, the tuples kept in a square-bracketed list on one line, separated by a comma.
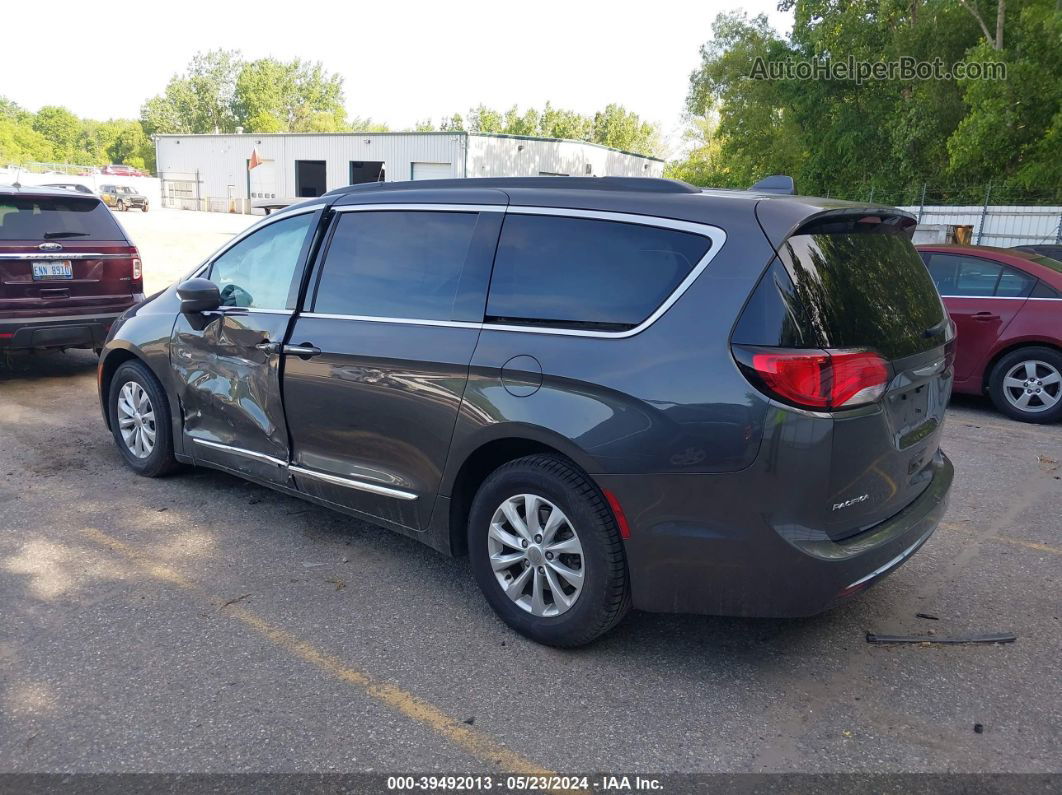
[(996, 637)]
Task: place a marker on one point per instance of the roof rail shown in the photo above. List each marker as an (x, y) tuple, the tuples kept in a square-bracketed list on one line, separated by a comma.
[(628, 184)]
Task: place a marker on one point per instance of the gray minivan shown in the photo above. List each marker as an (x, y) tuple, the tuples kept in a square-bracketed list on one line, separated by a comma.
[(608, 392)]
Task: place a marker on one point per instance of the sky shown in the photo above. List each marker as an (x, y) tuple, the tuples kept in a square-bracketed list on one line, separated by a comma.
[(401, 61)]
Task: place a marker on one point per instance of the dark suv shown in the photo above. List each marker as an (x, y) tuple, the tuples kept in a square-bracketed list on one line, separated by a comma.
[(67, 270), (607, 392)]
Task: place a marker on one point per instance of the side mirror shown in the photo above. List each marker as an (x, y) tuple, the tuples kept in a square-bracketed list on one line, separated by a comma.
[(198, 295)]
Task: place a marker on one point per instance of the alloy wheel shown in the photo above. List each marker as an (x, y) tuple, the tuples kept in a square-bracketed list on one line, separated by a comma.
[(136, 419), (536, 555), (1033, 386)]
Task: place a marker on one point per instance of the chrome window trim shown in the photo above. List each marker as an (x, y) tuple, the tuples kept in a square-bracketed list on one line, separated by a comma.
[(359, 485), (716, 235), (1000, 298), (228, 448), (394, 320), (446, 208)]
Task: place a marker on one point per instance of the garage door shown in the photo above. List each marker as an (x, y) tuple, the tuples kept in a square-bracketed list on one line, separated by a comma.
[(432, 171)]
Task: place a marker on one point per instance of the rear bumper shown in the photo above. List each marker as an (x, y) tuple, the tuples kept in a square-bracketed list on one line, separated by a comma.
[(62, 331), (697, 545)]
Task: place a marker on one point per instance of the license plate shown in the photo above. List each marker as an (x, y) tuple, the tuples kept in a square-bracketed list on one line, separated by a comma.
[(53, 269)]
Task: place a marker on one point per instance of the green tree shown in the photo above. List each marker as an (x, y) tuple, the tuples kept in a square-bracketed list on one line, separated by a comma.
[(20, 143), (293, 96), (619, 128), (614, 126), (1014, 126), (61, 127), (454, 122), (482, 119), (884, 137), (200, 100)]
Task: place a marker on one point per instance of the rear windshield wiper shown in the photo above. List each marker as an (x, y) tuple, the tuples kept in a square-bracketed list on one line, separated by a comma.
[(53, 235)]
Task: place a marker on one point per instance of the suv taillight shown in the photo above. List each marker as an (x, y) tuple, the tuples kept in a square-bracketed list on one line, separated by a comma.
[(815, 378), (138, 271)]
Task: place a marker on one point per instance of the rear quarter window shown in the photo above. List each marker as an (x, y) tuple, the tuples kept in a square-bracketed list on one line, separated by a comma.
[(867, 290), (56, 218), (586, 273)]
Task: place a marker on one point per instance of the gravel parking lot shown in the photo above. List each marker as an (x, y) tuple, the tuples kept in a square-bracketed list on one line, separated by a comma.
[(200, 623)]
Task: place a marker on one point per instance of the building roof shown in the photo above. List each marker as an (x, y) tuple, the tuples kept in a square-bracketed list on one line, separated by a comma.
[(364, 133)]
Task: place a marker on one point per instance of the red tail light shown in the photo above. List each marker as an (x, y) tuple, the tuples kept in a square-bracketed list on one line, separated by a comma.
[(817, 379), (136, 267)]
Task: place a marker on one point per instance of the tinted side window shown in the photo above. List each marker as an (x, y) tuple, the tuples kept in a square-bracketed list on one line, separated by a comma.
[(258, 271), (573, 272), (395, 264), (977, 277), (1043, 290), (1014, 284), (943, 269)]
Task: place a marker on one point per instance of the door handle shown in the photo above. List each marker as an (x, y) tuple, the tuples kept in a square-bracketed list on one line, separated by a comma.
[(984, 317), (304, 351), (268, 347)]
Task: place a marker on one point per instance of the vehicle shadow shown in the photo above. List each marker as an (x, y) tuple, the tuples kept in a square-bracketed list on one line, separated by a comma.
[(28, 366)]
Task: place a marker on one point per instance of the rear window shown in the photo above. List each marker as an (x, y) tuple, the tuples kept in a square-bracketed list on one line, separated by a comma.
[(56, 218), (852, 290), (586, 273)]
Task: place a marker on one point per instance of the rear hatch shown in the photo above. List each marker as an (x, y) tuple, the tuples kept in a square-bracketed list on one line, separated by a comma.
[(63, 255), (846, 323)]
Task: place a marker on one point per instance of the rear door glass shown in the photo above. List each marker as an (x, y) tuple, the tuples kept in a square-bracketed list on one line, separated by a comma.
[(56, 218)]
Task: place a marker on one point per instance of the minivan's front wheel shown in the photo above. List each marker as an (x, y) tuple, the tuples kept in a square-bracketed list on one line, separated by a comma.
[(546, 552), (140, 420), (1026, 384)]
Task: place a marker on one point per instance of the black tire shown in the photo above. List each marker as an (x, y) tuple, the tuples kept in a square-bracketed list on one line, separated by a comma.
[(121, 206), (1036, 412), (605, 596), (160, 461), (144, 208)]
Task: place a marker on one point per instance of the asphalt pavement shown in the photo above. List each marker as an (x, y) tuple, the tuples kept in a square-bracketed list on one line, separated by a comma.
[(198, 623)]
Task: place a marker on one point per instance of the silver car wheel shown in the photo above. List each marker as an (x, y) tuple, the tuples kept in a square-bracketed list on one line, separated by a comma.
[(1032, 386), (136, 419), (536, 555)]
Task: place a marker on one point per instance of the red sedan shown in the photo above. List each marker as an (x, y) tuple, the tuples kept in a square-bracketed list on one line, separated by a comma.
[(1007, 307)]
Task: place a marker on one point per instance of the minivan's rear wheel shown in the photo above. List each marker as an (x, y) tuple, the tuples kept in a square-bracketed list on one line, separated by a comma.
[(140, 420), (546, 552), (1026, 384)]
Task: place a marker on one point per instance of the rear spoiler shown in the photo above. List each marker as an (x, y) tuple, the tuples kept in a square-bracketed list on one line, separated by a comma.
[(780, 218)]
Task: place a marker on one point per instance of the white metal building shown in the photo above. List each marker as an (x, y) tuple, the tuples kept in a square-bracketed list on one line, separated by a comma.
[(211, 171)]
